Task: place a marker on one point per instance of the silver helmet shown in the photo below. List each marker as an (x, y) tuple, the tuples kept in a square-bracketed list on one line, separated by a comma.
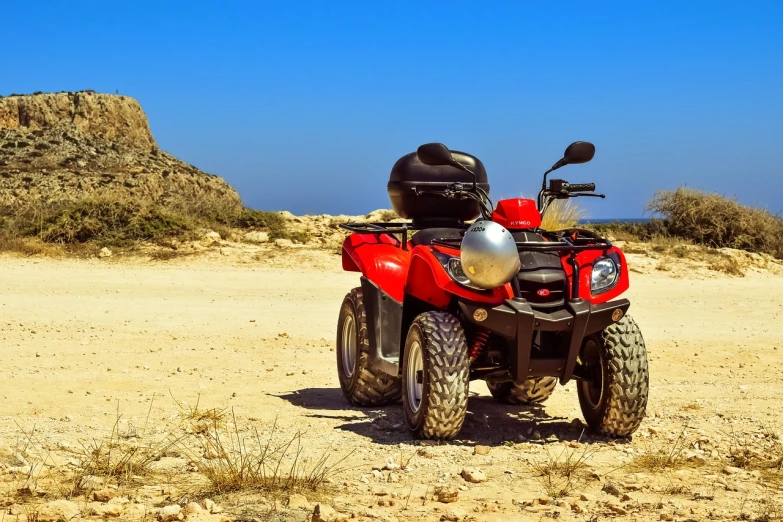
[(489, 255)]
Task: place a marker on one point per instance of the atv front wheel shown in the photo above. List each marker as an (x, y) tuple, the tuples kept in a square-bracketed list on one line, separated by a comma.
[(362, 384), (435, 375), (531, 391), (614, 398)]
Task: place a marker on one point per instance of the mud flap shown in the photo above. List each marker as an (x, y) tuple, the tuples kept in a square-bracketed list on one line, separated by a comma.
[(384, 321)]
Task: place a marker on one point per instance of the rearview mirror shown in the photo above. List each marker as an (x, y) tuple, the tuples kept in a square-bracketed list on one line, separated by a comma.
[(435, 154), (579, 152)]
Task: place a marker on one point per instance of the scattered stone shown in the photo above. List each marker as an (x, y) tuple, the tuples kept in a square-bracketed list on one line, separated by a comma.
[(481, 450), (731, 470), (323, 513), (297, 501), (104, 510), (577, 424), (616, 508), (391, 465), (284, 243), (57, 510), (446, 494), (257, 237), (611, 489), (521, 438), (576, 507), (666, 516), (213, 508), (192, 509), (535, 435), (473, 475), (170, 513), (587, 497), (104, 495)]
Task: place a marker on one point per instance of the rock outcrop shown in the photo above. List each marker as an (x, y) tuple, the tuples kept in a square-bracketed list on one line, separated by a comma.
[(68, 145)]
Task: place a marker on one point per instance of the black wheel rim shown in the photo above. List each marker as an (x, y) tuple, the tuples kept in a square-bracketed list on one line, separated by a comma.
[(593, 386)]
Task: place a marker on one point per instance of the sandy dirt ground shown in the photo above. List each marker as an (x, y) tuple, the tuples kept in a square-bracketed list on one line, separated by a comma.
[(90, 344)]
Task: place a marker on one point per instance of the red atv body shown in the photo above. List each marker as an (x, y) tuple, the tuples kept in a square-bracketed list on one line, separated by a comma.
[(417, 329)]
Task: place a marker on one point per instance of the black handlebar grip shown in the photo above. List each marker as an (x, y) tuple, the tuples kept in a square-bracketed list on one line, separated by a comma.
[(581, 187)]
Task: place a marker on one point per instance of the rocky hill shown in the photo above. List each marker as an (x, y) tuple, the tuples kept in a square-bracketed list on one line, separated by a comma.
[(67, 145)]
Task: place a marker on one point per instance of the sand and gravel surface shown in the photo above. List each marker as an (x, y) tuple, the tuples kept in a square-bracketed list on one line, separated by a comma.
[(131, 345)]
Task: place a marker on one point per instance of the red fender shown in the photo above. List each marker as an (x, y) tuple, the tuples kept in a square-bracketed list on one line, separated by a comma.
[(585, 261), (427, 280), (380, 259)]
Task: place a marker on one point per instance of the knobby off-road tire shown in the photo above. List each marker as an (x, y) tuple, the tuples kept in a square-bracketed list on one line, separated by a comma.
[(614, 403), (436, 353), (362, 384), (531, 391)]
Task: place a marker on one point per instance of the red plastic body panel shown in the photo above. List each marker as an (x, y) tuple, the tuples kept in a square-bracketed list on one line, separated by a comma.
[(418, 272), (517, 213), (585, 261), (428, 281), (380, 259)]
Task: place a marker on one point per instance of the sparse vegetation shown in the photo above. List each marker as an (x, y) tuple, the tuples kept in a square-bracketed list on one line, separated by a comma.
[(116, 219), (701, 218), (260, 463), (562, 473), (562, 213), (661, 457)]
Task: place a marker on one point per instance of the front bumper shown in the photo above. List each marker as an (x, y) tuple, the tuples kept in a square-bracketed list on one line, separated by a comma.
[(518, 322)]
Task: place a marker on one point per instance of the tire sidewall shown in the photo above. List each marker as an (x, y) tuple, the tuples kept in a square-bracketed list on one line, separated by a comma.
[(415, 419), (348, 383)]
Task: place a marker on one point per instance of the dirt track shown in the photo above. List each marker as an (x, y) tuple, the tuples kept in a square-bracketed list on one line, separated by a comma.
[(83, 339)]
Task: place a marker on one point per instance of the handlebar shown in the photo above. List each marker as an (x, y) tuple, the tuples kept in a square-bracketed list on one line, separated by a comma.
[(581, 187)]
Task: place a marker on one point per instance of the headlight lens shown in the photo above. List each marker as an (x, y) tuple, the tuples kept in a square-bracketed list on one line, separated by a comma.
[(453, 267), (456, 273), (605, 275)]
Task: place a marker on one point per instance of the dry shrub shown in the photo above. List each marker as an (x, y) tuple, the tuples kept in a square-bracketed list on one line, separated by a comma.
[(562, 214), (266, 463), (717, 221), (669, 455), (123, 455), (562, 473), (115, 219)]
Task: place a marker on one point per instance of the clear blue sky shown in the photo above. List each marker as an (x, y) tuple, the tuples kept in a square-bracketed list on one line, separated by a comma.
[(306, 105)]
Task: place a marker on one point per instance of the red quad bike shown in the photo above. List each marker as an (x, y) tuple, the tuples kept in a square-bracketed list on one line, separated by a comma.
[(499, 299)]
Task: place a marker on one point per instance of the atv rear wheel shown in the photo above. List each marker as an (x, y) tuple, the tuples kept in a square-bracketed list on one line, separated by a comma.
[(362, 384), (435, 374), (531, 391), (614, 398)]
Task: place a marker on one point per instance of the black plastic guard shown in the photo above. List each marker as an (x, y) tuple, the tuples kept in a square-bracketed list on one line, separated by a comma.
[(384, 327), (518, 322)]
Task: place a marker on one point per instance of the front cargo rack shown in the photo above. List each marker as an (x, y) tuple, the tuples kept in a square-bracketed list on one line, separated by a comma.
[(568, 240)]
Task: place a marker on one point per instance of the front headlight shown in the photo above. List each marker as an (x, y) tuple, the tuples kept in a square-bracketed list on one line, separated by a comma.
[(453, 267), (606, 272)]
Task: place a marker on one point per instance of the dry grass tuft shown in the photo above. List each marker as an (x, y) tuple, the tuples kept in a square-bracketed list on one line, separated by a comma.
[(123, 455), (764, 453), (561, 214), (669, 455), (235, 462), (562, 473)]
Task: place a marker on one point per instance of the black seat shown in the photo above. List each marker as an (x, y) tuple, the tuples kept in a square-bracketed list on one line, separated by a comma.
[(426, 236)]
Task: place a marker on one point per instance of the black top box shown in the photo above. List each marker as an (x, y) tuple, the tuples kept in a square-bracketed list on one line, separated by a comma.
[(411, 183)]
